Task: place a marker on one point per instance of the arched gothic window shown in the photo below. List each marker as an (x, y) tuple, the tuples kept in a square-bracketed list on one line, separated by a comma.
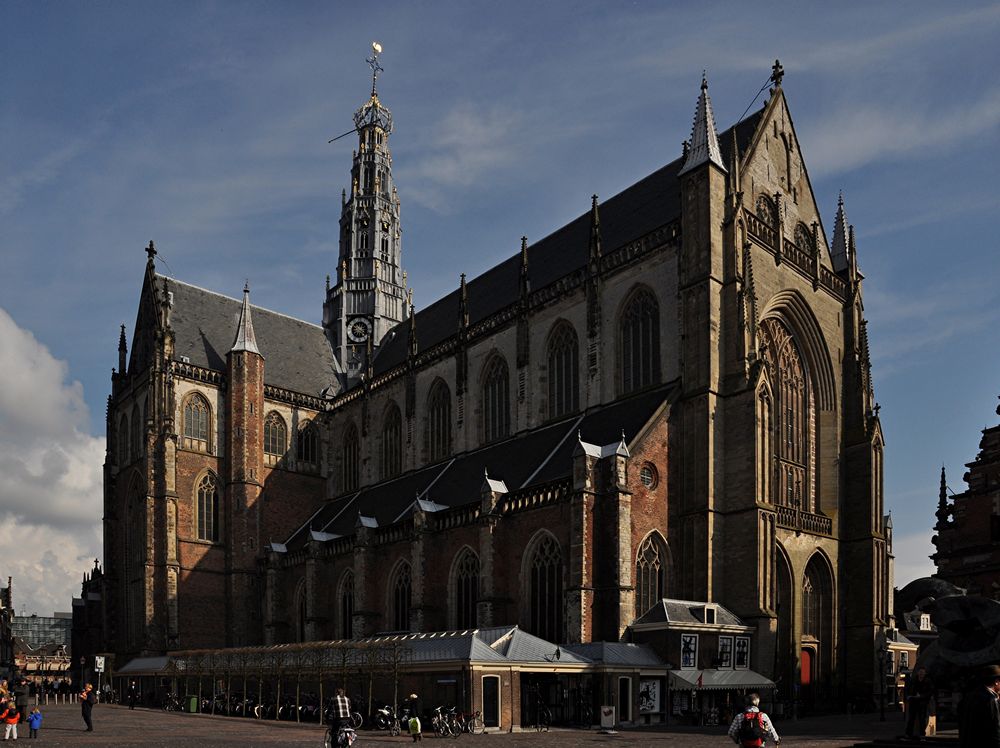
[(392, 442), (401, 590), (346, 597), (123, 441), (639, 342), (135, 560), (650, 574), (300, 612), (275, 437), (545, 595), (307, 446), (818, 616), (766, 211), (564, 371), (438, 422), (804, 239), (465, 583), (793, 417), (349, 458), (197, 420), (496, 400), (208, 509), (137, 449)]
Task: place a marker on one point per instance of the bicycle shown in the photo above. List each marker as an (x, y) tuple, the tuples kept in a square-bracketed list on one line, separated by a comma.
[(341, 737), (171, 703), (440, 723), (543, 718), (474, 724)]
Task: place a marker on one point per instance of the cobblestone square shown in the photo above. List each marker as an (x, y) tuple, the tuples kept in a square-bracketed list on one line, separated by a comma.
[(117, 726)]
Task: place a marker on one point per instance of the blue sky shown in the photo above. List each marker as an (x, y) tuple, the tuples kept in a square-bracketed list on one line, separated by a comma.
[(204, 126)]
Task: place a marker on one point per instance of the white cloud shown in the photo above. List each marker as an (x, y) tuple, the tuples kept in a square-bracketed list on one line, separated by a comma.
[(912, 562), (51, 492)]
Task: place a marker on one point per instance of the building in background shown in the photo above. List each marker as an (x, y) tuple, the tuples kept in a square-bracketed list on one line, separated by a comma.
[(36, 630), (669, 397), (968, 524), (6, 633)]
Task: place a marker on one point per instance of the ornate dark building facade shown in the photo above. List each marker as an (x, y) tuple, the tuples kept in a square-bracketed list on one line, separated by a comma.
[(968, 524), (669, 397)]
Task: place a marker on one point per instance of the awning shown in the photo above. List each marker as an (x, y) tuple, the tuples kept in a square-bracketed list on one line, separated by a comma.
[(718, 680), (144, 666)]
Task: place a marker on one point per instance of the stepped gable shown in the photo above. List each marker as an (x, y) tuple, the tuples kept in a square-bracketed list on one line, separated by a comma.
[(297, 354), (636, 211), (531, 459)]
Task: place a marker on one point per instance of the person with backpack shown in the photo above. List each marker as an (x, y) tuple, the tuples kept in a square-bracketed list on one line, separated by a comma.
[(751, 727)]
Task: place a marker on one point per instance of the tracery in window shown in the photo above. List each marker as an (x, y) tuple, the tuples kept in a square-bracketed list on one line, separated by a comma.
[(465, 585), (794, 421), (307, 446), (392, 442), (123, 452), (639, 342), (545, 590), (275, 437), (197, 419), (496, 400), (207, 514), (349, 473), (650, 574), (564, 371), (804, 239), (766, 211), (438, 422), (346, 597), (401, 593)]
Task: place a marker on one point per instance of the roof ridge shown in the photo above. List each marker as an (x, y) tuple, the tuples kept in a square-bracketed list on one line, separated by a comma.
[(233, 299)]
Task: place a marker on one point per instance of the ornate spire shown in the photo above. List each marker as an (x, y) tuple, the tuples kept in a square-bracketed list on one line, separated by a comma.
[(595, 231), (463, 304), (523, 282), (245, 339), (704, 146), (412, 336), (943, 511), (151, 253), (840, 254), (122, 351)]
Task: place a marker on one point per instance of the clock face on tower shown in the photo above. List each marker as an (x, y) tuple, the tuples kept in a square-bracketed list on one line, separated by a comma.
[(359, 329)]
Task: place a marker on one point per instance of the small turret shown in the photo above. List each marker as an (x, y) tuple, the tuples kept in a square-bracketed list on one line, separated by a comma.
[(595, 233), (245, 339), (523, 283), (411, 342), (463, 304), (704, 146)]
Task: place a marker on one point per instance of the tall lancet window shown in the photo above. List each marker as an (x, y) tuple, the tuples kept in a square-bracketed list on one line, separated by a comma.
[(545, 590), (465, 586), (346, 596), (564, 371), (208, 509), (400, 603), (438, 422), (392, 439), (349, 472), (793, 417), (275, 437), (496, 400), (639, 342), (650, 573)]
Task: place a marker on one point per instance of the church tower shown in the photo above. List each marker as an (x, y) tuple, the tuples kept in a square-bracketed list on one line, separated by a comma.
[(369, 297)]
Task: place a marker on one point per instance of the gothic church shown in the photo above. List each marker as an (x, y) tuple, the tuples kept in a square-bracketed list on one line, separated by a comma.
[(669, 397)]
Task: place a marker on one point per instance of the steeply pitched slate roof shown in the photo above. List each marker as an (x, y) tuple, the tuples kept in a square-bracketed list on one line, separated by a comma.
[(534, 458), (618, 653), (646, 205), (296, 354), (686, 611)]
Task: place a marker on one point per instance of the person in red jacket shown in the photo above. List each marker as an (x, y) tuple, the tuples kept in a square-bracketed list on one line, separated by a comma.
[(11, 716)]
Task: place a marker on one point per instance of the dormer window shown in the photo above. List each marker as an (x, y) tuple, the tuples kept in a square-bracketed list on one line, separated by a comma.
[(925, 622), (710, 612)]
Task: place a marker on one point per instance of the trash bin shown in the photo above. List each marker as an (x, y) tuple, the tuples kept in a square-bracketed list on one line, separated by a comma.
[(192, 704)]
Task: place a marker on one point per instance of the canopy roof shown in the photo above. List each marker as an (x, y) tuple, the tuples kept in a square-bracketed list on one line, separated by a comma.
[(719, 680)]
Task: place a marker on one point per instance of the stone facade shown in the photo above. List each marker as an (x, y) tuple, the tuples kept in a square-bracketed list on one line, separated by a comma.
[(669, 397)]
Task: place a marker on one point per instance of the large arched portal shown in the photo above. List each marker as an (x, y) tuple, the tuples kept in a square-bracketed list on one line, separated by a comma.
[(817, 632)]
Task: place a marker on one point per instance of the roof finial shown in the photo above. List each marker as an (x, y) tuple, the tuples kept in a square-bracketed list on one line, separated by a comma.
[(704, 146), (151, 251), (463, 303), (595, 230), (777, 73), (245, 338), (373, 61)]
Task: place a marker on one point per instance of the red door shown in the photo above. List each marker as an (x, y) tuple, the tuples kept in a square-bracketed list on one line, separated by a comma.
[(806, 672)]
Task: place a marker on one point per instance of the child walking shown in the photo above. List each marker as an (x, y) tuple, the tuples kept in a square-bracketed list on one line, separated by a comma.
[(34, 722), (11, 716)]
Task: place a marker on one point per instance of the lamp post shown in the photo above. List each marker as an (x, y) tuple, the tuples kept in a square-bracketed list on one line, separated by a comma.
[(883, 651)]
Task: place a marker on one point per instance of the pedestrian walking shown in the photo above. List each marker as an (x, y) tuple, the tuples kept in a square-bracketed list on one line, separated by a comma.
[(133, 694), (341, 709), (919, 692), (10, 717), (751, 727), (979, 712), (87, 700), (21, 692)]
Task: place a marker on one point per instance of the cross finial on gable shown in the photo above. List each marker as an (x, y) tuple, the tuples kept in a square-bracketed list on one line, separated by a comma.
[(777, 73)]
